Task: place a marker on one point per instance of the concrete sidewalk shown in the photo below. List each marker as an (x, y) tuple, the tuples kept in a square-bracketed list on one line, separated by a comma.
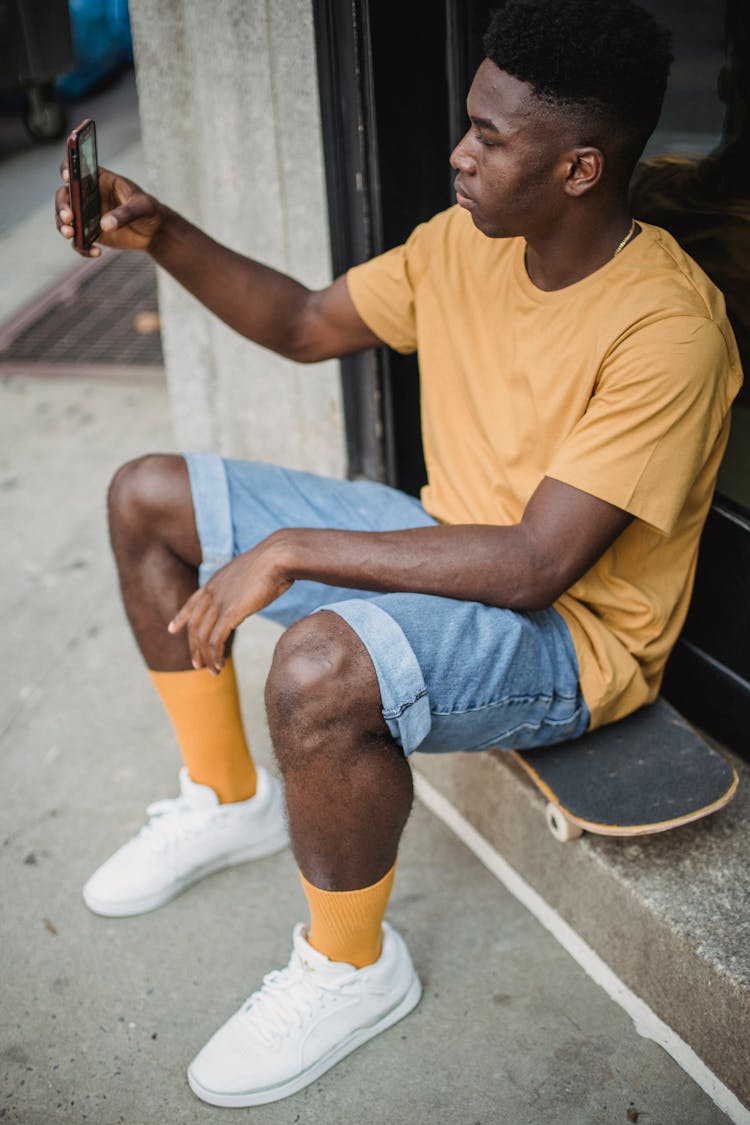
[(101, 1017)]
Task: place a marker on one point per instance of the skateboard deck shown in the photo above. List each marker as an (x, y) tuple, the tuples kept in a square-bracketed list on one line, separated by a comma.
[(647, 773)]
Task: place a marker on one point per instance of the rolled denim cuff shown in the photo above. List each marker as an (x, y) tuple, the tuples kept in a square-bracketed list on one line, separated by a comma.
[(406, 705), (213, 513)]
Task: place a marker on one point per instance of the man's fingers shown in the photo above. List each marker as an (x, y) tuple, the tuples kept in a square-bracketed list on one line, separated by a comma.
[(136, 208), (181, 618), (217, 643), (199, 631), (63, 213), (198, 615)]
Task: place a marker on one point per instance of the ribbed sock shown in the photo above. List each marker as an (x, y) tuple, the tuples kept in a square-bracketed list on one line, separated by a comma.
[(205, 713), (347, 925)]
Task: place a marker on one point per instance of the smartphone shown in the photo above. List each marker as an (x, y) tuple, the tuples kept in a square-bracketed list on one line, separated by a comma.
[(83, 168)]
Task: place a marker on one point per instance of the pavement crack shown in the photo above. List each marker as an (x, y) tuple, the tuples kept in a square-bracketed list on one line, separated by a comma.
[(30, 825)]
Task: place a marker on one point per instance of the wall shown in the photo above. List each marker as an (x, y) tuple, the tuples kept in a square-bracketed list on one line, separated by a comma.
[(231, 132)]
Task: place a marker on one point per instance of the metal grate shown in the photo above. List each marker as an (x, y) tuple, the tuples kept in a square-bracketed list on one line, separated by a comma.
[(101, 319)]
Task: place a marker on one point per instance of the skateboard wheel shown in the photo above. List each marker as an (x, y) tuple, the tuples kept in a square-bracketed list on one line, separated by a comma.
[(559, 825)]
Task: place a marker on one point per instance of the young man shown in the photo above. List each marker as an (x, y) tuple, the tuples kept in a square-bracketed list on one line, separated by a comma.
[(577, 372)]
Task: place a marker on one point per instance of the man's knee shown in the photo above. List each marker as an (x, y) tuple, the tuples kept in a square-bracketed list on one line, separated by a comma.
[(321, 679), (145, 491)]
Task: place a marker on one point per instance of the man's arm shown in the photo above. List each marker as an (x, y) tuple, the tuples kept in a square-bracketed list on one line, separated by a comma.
[(258, 302), (526, 566)]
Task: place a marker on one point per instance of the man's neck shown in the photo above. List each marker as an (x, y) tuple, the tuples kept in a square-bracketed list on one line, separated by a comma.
[(568, 256)]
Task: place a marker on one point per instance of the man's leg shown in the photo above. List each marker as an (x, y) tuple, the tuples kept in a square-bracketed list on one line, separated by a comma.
[(346, 700), (349, 793), (157, 551), (348, 786)]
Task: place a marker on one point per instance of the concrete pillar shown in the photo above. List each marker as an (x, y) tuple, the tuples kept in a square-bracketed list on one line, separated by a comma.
[(231, 131)]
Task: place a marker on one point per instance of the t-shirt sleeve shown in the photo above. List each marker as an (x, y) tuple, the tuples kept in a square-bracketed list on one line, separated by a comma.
[(659, 406), (383, 294)]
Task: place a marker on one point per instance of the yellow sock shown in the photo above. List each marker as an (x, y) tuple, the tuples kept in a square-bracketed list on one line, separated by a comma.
[(205, 713), (347, 925)]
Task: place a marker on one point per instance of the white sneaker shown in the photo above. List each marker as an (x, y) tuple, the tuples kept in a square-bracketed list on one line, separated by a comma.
[(303, 1019), (185, 839)]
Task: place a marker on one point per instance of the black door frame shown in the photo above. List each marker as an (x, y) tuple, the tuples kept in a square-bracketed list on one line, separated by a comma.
[(347, 100), (392, 107)]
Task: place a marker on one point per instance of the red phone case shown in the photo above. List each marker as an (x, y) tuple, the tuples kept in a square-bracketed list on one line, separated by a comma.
[(74, 183)]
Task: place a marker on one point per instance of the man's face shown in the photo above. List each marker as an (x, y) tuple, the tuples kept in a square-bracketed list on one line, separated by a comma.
[(509, 161)]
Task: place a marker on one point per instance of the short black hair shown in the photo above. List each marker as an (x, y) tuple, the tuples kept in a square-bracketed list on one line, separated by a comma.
[(607, 59)]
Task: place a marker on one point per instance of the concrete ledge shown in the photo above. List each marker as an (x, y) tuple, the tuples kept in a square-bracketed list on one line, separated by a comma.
[(668, 913)]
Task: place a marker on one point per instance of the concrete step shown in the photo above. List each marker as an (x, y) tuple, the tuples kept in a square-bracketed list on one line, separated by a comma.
[(669, 913)]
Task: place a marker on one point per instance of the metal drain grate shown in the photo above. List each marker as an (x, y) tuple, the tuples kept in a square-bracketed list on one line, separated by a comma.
[(100, 320)]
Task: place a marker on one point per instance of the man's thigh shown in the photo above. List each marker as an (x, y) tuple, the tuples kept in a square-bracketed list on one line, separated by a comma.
[(239, 503), (457, 675)]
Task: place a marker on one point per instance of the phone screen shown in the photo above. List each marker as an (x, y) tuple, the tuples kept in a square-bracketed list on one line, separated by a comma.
[(89, 180)]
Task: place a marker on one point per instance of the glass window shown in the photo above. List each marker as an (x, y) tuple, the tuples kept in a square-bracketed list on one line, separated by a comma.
[(695, 176)]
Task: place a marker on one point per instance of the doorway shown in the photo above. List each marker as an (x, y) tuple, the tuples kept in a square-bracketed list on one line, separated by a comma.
[(393, 83)]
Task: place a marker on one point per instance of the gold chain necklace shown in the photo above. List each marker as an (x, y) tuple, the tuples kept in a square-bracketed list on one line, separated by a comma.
[(626, 239)]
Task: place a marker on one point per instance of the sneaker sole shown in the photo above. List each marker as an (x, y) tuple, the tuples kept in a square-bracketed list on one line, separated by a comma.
[(286, 1089), (146, 903)]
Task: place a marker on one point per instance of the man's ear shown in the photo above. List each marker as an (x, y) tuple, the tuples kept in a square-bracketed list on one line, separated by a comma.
[(584, 169)]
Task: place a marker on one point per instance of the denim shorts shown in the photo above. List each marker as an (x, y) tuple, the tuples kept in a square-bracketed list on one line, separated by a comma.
[(453, 675)]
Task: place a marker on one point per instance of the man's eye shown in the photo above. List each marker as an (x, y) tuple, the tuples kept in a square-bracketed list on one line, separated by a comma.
[(483, 141)]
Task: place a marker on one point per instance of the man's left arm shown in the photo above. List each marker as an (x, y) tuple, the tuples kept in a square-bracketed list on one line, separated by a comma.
[(526, 566)]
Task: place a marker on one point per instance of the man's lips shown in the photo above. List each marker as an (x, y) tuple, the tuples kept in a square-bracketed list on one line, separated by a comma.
[(462, 195)]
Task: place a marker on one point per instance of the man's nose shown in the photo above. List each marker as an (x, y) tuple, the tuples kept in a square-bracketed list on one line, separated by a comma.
[(462, 160)]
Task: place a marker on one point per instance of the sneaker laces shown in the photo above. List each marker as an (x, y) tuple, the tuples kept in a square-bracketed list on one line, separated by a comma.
[(286, 999), (169, 821)]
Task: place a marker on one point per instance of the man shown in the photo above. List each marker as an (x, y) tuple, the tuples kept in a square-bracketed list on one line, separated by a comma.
[(577, 371)]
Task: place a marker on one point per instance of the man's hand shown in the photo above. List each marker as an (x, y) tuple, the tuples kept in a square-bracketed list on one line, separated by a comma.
[(244, 586), (130, 218)]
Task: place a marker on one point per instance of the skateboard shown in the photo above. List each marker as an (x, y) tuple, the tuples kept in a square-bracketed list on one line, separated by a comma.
[(647, 773)]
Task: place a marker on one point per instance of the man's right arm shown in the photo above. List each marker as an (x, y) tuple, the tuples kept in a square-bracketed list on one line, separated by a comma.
[(260, 303)]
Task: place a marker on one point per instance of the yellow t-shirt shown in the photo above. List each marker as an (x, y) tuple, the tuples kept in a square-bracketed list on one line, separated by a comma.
[(619, 385)]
